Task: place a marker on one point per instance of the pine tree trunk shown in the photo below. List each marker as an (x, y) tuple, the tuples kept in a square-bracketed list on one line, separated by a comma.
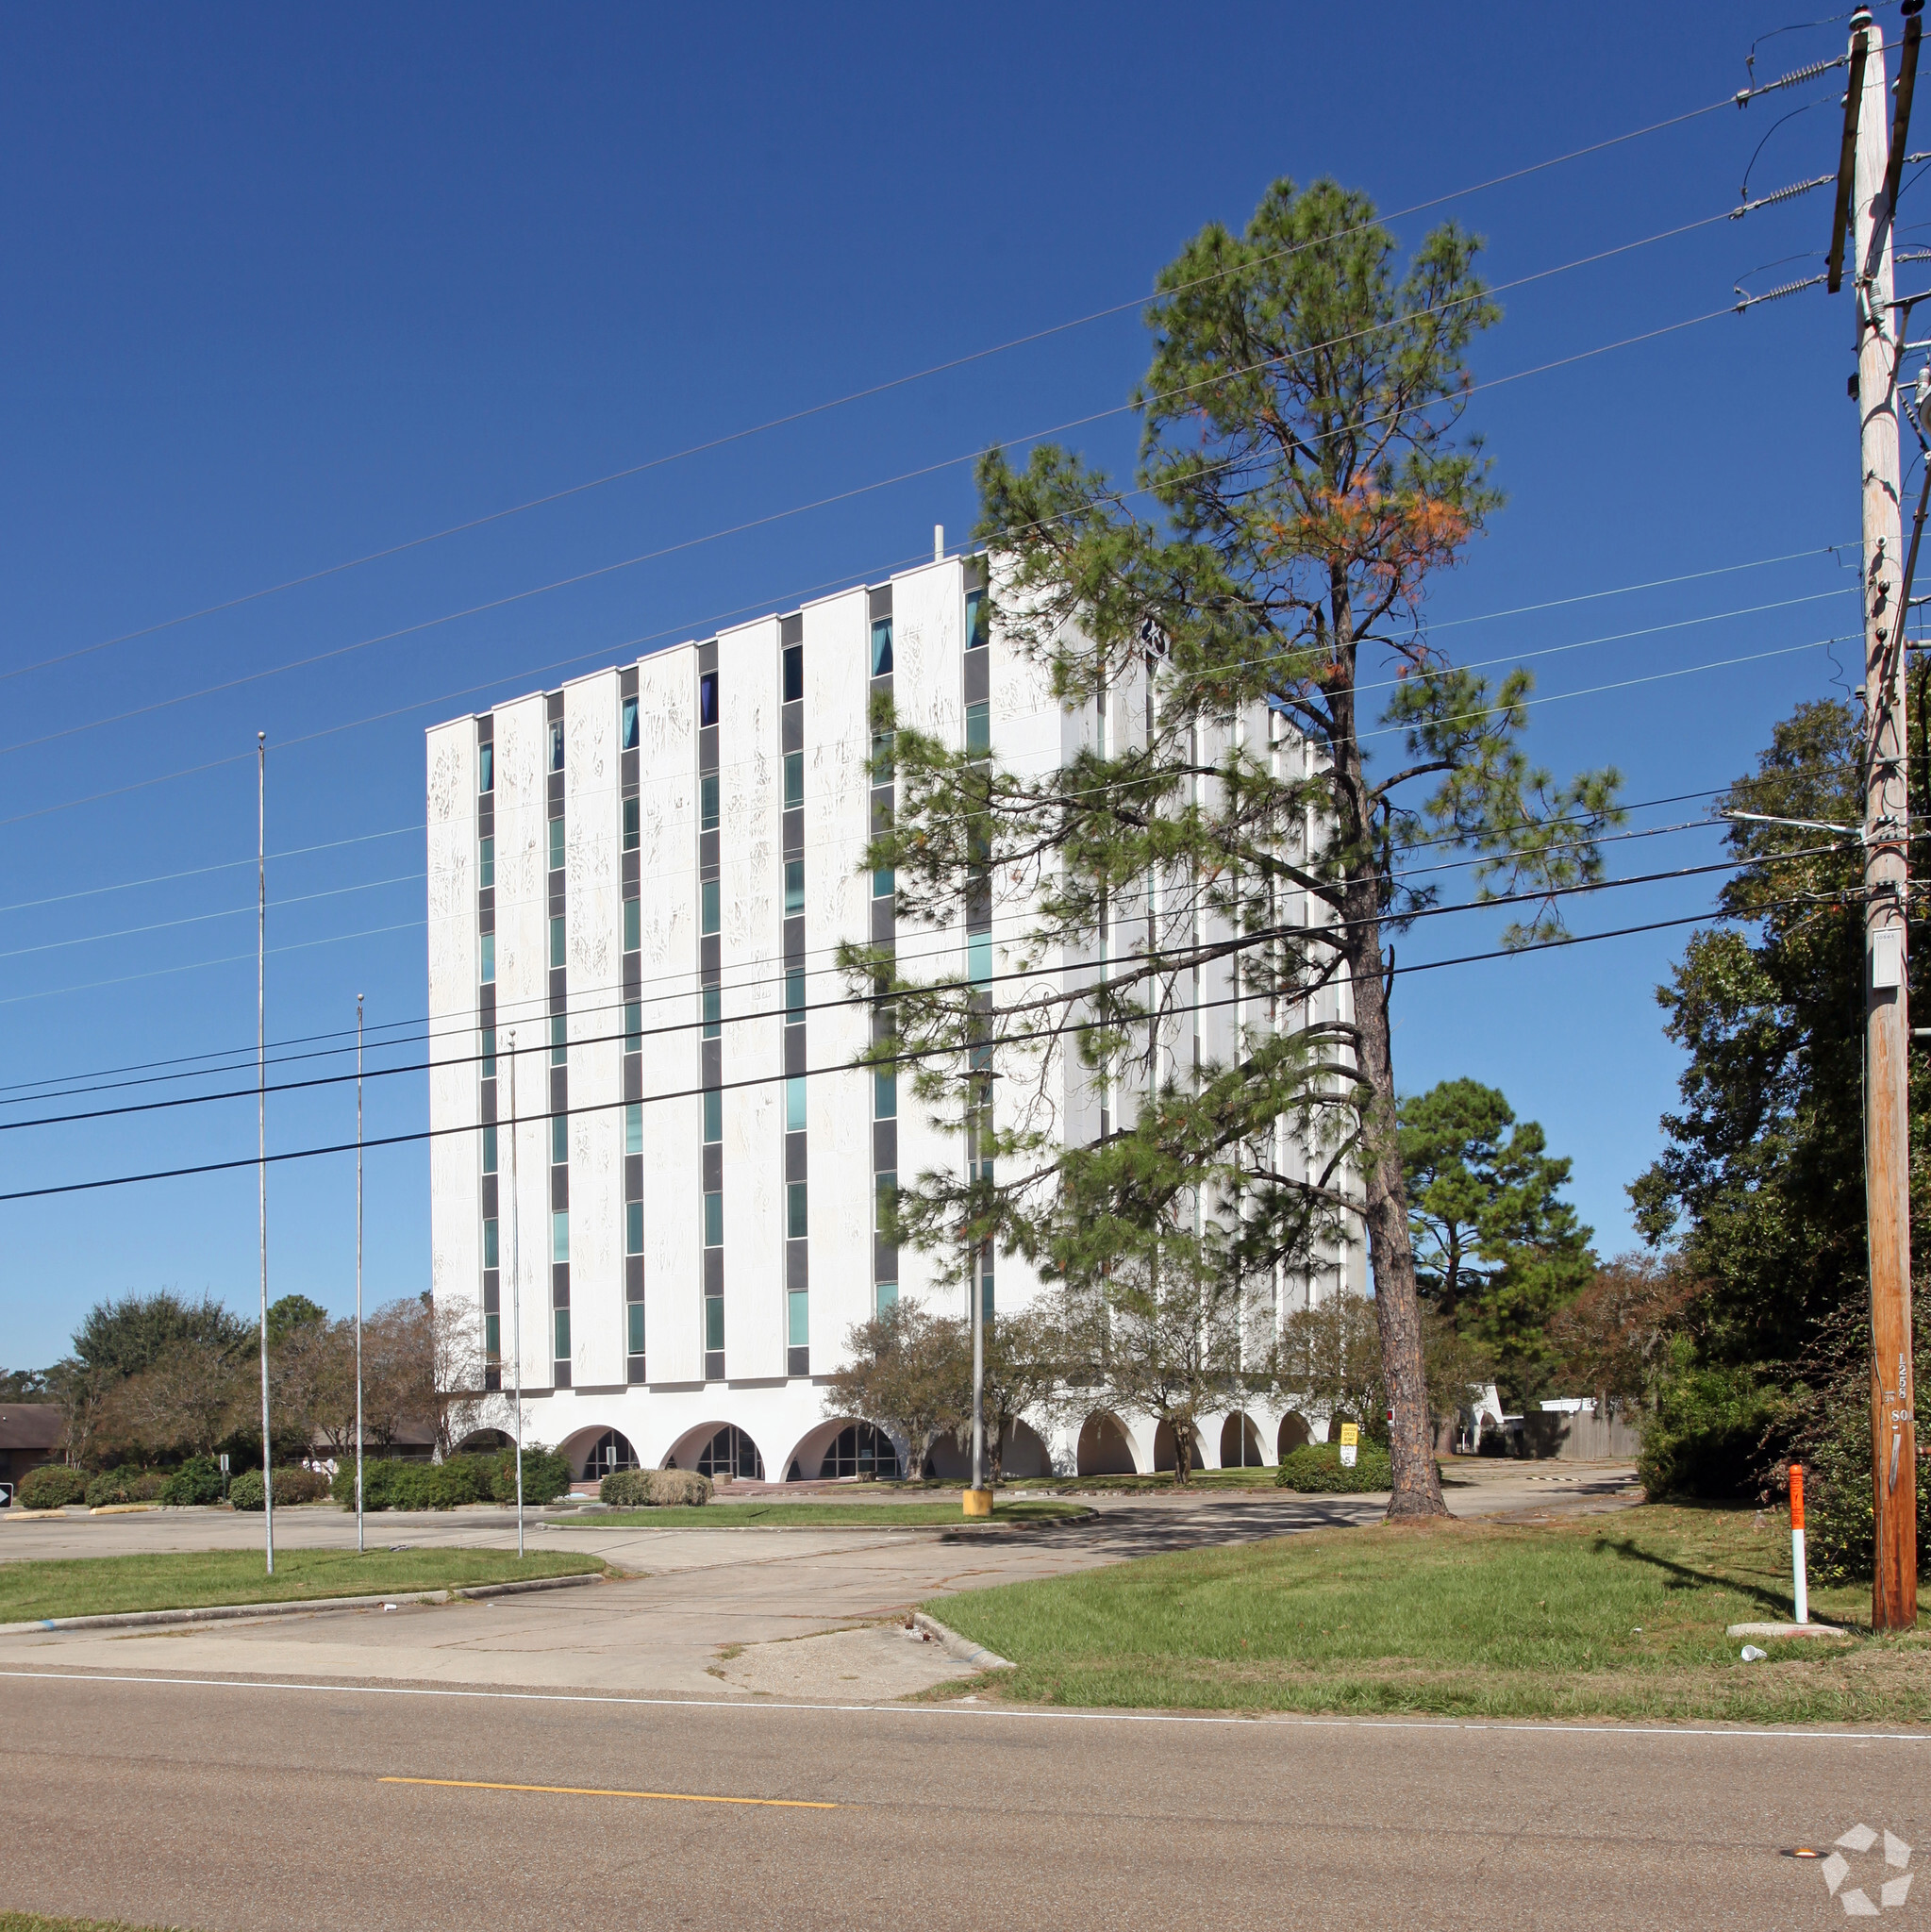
[(1391, 1254)]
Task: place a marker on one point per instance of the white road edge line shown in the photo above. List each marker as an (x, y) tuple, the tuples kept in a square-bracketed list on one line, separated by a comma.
[(1280, 1720)]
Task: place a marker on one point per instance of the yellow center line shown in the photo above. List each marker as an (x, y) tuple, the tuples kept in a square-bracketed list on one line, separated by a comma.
[(476, 1784)]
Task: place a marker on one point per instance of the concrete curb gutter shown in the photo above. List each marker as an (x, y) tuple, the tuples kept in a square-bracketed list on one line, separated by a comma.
[(961, 1647), (1785, 1630), (216, 1613)]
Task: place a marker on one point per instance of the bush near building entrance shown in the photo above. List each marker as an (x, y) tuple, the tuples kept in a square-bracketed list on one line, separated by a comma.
[(655, 1488)]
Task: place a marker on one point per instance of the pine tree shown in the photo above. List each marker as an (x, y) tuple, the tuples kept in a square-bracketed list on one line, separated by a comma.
[(1302, 446)]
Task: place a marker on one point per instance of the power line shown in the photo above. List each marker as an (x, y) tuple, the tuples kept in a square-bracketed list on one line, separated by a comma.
[(1380, 683), (836, 403), (404, 1031), (424, 1134), (1140, 964), (746, 524)]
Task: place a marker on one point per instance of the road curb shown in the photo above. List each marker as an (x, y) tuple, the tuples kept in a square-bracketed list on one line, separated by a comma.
[(222, 1613), (961, 1647)]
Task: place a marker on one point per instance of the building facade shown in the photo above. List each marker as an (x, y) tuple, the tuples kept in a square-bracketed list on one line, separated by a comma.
[(655, 1173)]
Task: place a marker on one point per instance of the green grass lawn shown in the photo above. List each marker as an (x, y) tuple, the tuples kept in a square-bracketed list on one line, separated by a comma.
[(32, 1921), (1616, 1616), (93, 1586), (809, 1515)]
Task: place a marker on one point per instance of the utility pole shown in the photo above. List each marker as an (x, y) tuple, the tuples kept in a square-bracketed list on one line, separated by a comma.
[(359, 1545), (516, 1291), (1873, 150), (261, 1110)]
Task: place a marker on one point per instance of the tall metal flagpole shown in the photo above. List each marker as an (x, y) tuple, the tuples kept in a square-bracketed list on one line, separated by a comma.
[(262, 1108), (359, 1274), (515, 1290)]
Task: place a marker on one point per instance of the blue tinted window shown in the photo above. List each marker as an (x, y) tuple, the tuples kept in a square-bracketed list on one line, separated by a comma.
[(633, 1227), (708, 698), (979, 728), (707, 803), (630, 723), (713, 1117), (977, 612), (796, 1218), (800, 1320), (489, 1242), (633, 931), (562, 1335), (714, 1322), (885, 1094), (486, 863), (794, 886), (714, 1221), (794, 1105), (559, 1235), (485, 767), (881, 646), (707, 895), (636, 1337), (488, 959), (633, 1127)]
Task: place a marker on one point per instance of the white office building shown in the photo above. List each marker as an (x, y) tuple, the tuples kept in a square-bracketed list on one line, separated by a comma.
[(640, 882)]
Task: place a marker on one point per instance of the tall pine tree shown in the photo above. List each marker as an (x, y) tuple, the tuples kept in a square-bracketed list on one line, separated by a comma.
[(1302, 447)]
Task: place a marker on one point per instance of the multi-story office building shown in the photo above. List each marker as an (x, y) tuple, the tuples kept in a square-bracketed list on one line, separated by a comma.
[(637, 886)]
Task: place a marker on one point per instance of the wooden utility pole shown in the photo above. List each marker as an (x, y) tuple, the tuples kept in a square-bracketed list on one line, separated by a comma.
[(1886, 1017)]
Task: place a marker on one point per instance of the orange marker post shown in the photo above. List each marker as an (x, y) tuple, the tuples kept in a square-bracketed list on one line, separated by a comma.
[(1797, 1565)]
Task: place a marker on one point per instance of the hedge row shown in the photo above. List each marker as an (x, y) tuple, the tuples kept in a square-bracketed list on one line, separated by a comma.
[(1316, 1470), (292, 1485), (650, 1488), (458, 1479)]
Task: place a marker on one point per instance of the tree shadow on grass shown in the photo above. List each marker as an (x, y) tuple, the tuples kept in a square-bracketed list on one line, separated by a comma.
[(1687, 1577)]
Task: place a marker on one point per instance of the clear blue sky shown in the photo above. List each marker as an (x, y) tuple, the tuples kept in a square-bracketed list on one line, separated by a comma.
[(283, 290)]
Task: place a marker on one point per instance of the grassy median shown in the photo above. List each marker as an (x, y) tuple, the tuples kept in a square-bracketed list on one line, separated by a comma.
[(1620, 1616), (96, 1586), (811, 1516)]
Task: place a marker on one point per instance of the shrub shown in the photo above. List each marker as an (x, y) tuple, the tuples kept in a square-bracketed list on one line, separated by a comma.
[(1707, 1436), (292, 1485), (646, 1489), (198, 1480), (52, 1486), (125, 1485), (299, 1485), (1316, 1470), (390, 1483), (545, 1476)]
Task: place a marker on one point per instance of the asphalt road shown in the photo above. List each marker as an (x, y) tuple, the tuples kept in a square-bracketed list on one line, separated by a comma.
[(234, 1806)]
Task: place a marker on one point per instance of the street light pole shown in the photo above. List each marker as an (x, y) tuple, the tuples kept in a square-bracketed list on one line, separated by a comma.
[(261, 1110), (359, 1274), (515, 1290), (978, 1500)]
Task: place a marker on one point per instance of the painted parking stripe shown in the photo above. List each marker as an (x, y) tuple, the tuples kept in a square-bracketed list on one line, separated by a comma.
[(476, 1784)]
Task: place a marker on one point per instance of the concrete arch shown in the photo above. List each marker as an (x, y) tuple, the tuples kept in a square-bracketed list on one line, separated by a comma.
[(1294, 1433), (1240, 1443), (808, 1457), (577, 1446), (695, 1447), (1166, 1450), (1105, 1447), (1024, 1453)]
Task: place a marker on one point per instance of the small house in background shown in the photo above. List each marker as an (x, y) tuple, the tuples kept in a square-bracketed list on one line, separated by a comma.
[(30, 1434)]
